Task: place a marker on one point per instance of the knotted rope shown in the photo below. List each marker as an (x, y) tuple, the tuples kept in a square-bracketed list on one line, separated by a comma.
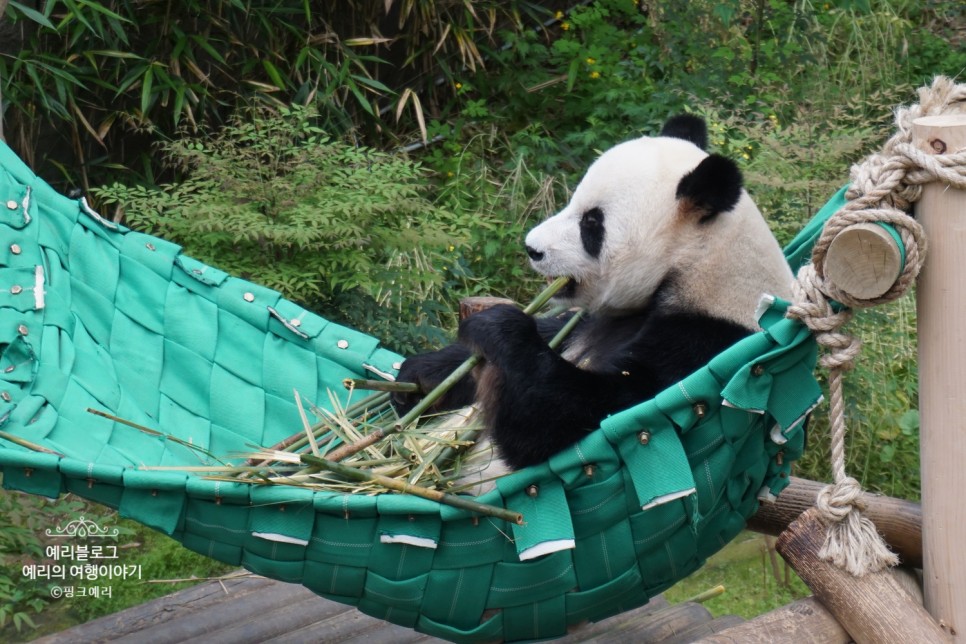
[(883, 188)]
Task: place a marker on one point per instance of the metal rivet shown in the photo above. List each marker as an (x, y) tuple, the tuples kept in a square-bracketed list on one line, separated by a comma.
[(16, 290), (296, 323), (27, 471), (22, 329), (589, 469), (342, 344), (249, 297), (149, 246), (644, 437), (397, 366), (6, 396), (757, 370), (700, 409), (15, 249), (780, 458), (12, 205), (533, 490)]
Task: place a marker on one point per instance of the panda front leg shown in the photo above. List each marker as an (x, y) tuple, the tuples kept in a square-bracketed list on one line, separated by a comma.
[(535, 402), (430, 369)]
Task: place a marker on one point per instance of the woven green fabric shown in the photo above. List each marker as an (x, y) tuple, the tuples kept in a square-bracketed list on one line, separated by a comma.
[(96, 316)]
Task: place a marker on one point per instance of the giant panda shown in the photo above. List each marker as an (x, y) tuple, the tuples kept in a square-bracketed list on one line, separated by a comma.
[(669, 258)]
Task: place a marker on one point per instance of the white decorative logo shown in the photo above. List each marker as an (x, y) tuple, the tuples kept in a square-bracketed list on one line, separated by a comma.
[(83, 528)]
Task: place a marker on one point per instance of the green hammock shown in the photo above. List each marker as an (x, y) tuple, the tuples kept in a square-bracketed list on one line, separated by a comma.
[(93, 315)]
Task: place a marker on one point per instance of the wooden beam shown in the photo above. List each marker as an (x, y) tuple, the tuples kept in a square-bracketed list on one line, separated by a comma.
[(871, 608), (804, 621), (864, 260), (941, 299), (899, 521)]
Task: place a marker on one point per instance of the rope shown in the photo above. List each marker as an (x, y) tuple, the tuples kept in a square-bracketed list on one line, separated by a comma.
[(883, 188)]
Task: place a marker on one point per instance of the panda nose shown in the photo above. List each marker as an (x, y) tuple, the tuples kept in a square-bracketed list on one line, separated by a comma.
[(534, 254)]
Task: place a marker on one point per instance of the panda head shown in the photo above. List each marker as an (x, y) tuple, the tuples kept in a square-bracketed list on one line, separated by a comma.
[(661, 213)]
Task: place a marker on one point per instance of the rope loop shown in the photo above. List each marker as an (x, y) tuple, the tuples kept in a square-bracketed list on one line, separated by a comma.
[(883, 189)]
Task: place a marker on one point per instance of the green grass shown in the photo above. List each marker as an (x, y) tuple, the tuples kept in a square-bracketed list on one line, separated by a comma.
[(755, 578)]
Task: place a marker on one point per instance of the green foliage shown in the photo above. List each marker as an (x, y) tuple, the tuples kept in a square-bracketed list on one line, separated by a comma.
[(271, 198), (87, 86), (22, 543), (882, 412)]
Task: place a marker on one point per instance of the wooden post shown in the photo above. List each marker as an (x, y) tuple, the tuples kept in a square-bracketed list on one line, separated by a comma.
[(941, 300), (863, 260), (871, 608)]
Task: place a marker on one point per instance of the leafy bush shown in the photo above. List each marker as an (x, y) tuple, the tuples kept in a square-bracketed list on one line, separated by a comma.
[(273, 199), (88, 86), (22, 543)]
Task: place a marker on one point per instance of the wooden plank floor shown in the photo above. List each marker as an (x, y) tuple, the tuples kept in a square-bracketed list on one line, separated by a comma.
[(251, 609)]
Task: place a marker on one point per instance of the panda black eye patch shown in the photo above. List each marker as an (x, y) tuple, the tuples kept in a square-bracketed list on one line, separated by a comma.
[(592, 231)]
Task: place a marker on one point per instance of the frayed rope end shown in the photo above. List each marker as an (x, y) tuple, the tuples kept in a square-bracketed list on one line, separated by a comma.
[(852, 541)]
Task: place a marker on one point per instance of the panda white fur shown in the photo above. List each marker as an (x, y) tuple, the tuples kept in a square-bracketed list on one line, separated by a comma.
[(668, 256)]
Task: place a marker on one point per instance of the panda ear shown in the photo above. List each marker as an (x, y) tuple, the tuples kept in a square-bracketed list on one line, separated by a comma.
[(688, 127), (712, 187)]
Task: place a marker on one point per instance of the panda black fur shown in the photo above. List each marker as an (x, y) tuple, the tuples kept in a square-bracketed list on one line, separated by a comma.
[(668, 256)]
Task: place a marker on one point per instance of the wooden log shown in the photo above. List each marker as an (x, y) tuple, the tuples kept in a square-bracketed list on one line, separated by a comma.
[(649, 627), (871, 608), (471, 305), (708, 629), (863, 260), (899, 521), (941, 300), (804, 621)]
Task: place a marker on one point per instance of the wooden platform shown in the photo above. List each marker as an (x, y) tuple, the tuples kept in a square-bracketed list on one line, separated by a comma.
[(251, 609)]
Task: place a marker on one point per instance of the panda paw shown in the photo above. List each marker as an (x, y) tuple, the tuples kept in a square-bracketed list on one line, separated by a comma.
[(430, 369), (501, 333)]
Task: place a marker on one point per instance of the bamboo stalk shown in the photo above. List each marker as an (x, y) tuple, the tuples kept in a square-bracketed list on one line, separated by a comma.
[(153, 432), (711, 593), (296, 441), (382, 385), (406, 488), (25, 443)]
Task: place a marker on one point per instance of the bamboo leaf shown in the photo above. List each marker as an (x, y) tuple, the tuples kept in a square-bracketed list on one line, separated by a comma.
[(274, 74), (146, 83), (33, 15), (373, 83), (87, 125)]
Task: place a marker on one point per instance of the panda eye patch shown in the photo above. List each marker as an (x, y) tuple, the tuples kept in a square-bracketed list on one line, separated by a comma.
[(593, 217), (592, 231)]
